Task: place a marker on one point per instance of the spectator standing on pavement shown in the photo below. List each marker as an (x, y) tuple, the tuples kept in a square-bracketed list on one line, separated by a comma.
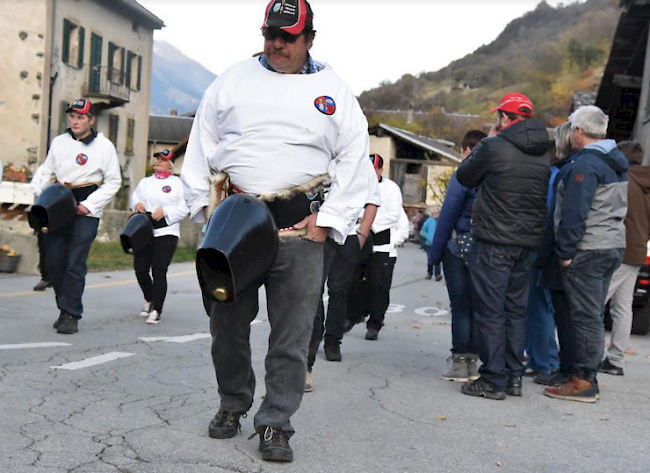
[(86, 162), (267, 124), (637, 233), (511, 171), (428, 230), (454, 222), (590, 233), (161, 196), (550, 275), (541, 346)]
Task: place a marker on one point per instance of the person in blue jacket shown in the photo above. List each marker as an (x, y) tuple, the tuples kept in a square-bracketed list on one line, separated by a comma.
[(428, 230), (455, 220)]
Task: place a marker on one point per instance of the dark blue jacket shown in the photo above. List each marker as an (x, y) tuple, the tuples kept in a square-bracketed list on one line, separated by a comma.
[(456, 214), (547, 261)]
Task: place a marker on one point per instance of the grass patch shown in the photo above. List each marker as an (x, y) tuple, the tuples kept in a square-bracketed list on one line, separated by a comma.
[(111, 257)]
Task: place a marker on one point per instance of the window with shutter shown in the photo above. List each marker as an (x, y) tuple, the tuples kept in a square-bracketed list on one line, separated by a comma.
[(123, 61), (65, 44), (130, 135), (113, 126)]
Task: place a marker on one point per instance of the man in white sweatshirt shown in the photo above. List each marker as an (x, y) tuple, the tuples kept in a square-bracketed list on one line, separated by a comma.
[(277, 124), (86, 162), (380, 266)]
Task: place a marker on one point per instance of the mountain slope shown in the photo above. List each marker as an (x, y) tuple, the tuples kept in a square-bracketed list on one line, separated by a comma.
[(177, 81), (547, 53)]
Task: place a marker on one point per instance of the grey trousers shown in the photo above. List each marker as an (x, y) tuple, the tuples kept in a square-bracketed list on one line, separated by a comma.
[(292, 291), (621, 295)]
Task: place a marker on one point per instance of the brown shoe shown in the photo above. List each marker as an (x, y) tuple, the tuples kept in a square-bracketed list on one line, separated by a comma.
[(575, 390)]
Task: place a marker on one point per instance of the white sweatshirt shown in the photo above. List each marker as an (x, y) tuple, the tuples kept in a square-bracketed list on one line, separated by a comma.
[(388, 214), (399, 233), (167, 193), (74, 162), (267, 132)]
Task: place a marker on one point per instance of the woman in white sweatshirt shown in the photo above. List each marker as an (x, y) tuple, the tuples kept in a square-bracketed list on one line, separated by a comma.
[(161, 197)]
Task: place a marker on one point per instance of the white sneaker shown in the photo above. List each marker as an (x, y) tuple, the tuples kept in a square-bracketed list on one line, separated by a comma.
[(154, 318), (146, 310)]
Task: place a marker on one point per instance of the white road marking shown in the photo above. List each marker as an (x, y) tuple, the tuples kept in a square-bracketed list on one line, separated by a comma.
[(182, 339), (95, 360), (18, 346)]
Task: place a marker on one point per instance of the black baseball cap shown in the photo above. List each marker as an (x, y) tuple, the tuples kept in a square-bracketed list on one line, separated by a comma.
[(166, 154), (292, 16), (377, 161), (83, 106)]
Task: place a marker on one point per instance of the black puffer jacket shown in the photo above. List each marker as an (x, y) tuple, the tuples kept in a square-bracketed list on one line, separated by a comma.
[(511, 171)]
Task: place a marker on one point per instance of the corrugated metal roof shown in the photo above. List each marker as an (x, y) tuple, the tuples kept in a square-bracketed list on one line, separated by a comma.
[(430, 144), (169, 129)]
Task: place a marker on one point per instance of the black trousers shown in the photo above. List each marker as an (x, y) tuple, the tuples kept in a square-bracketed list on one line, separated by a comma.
[(42, 263), (153, 261)]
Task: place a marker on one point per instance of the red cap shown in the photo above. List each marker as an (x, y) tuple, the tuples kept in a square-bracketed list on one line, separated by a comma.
[(165, 154), (513, 103), (291, 16)]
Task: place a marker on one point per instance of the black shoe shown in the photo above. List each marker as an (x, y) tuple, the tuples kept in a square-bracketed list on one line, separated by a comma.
[(225, 424), (372, 334), (333, 353), (274, 445), (514, 386), (58, 321), (482, 388), (68, 325), (349, 325), (608, 367), (42, 285), (557, 378)]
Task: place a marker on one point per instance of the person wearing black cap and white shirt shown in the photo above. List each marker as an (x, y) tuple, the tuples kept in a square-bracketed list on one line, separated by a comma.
[(86, 162), (161, 196), (276, 123), (380, 266)]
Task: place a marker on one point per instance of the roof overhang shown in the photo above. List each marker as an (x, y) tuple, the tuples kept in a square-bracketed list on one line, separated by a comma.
[(440, 147)]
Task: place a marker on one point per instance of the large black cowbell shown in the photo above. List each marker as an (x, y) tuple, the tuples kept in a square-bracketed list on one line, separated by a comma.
[(54, 208), (239, 247), (137, 233)]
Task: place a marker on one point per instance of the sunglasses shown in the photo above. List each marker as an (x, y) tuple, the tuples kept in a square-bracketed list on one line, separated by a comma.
[(271, 34)]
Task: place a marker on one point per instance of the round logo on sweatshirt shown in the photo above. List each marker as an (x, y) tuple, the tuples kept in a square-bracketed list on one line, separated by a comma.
[(325, 104), (81, 159), (167, 189)]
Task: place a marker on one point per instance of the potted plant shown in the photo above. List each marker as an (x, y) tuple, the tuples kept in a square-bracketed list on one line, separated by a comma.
[(8, 260)]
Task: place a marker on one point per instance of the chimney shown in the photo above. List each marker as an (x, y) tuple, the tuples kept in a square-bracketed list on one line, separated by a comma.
[(173, 112)]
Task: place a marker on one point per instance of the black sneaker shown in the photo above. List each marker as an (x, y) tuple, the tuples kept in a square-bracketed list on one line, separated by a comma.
[(557, 378), (68, 325), (333, 353), (225, 424), (58, 321), (482, 388), (42, 285), (610, 368), (372, 334), (274, 445), (514, 386)]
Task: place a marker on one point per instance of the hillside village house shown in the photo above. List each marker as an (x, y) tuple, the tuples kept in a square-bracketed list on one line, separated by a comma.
[(624, 92), (169, 132), (415, 163), (55, 51)]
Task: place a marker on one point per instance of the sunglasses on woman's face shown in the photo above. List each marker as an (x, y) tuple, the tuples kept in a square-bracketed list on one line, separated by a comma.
[(271, 34)]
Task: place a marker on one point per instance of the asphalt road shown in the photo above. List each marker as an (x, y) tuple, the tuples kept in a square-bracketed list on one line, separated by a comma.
[(119, 398)]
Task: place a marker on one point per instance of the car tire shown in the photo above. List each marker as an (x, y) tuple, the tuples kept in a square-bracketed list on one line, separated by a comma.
[(641, 319)]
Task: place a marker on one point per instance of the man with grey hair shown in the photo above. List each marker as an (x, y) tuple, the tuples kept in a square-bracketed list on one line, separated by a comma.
[(590, 232)]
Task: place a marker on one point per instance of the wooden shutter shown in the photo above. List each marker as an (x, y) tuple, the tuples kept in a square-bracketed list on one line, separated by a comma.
[(122, 68), (139, 71), (82, 40), (129, 57), (65, 47), (111, 52)]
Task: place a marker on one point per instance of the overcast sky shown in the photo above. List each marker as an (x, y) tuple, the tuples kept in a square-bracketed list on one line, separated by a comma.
[(365, 41)]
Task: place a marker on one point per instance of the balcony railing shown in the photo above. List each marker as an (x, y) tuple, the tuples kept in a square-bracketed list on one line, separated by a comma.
[(109, 83)]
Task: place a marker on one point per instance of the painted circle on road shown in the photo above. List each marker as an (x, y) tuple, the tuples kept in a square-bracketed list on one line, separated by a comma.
[(431, 311)]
